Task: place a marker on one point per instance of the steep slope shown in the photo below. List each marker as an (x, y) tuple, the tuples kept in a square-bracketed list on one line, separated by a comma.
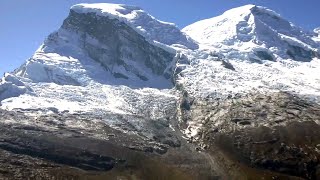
[(145, 24), (249, 48), (105, 75), (251, 93), (245, 51), (100, 63), (256, 33), (89, 38), (117, 93)]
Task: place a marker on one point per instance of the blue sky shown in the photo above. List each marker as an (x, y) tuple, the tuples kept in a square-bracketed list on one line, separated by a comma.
[(26, 23)]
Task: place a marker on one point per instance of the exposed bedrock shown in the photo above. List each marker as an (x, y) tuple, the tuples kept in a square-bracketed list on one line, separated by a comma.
[(259, 135)]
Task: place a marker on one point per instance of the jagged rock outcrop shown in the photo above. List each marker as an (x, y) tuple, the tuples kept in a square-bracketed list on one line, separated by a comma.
[(117, 46)]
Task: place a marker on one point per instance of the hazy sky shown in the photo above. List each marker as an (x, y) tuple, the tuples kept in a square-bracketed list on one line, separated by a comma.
[(25, 23)]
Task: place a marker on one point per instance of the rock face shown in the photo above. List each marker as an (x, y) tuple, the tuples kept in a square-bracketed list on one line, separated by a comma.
[(117, 94), (113, 44), (145, 24), (274, 132), (254, 110), (49, 147), (119, 48)]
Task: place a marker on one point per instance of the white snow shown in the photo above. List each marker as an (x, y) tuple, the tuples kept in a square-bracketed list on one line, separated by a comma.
[(145, 24), (244, 29), (234, 37), (207, 76), (61, 77)]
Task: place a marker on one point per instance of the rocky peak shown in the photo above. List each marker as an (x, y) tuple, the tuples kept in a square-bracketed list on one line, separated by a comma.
[(116, 38), (145, 24)]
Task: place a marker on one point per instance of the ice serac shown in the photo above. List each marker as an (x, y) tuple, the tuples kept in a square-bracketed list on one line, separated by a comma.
[(10, 86), (256, 31)]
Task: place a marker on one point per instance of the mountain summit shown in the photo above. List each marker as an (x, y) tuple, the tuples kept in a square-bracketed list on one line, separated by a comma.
[(116, 92), (261, 33), (145, 24)]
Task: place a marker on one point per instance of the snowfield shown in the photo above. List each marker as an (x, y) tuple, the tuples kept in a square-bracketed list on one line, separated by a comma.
[(246, 49), (241, 31), (206, 76)]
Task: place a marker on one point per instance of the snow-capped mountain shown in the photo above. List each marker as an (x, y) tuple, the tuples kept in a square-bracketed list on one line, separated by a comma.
[(103, 52), (257, 32), (262, 50), (101, 60), (145, 24), (144, 76)]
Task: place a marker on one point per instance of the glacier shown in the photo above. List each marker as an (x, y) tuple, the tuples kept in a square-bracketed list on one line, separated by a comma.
[(110, 58), (256, 32), (114, 81)]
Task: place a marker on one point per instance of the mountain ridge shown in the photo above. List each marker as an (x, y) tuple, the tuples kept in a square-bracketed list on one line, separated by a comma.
[(113, 72), (101, 50), (141, 21), (253, 27)]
